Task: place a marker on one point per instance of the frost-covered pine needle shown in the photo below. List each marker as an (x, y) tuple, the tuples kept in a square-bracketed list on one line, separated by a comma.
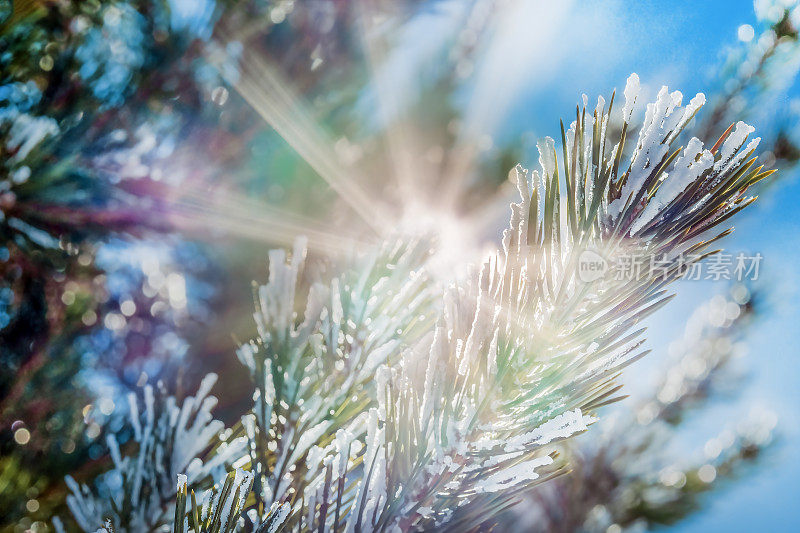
[(388, 402)]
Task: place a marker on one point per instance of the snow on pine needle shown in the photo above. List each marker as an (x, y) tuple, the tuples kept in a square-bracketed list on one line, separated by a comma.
[(629, 475), (384, 402), (525, 352), (220, 507), (172, 443), (312, 373)]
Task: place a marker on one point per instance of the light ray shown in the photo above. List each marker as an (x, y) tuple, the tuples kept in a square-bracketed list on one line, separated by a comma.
[(463, 155), (244, 217), (460, 163), (403, 165), (267, 92)]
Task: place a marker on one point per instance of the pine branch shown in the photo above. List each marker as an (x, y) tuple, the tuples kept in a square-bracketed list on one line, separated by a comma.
[(623, 475), (171, 442), (525, 353), (312, 378), (376, 410)]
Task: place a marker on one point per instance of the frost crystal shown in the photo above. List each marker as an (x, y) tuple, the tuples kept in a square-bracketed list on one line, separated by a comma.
[(632, 90)]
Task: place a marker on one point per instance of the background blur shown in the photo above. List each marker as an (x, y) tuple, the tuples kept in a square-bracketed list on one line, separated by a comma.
[(153, 151)]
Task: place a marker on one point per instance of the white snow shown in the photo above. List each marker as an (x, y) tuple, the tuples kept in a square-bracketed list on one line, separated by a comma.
[(514, 475), (632, 90), (685, 170), (734, 141)]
